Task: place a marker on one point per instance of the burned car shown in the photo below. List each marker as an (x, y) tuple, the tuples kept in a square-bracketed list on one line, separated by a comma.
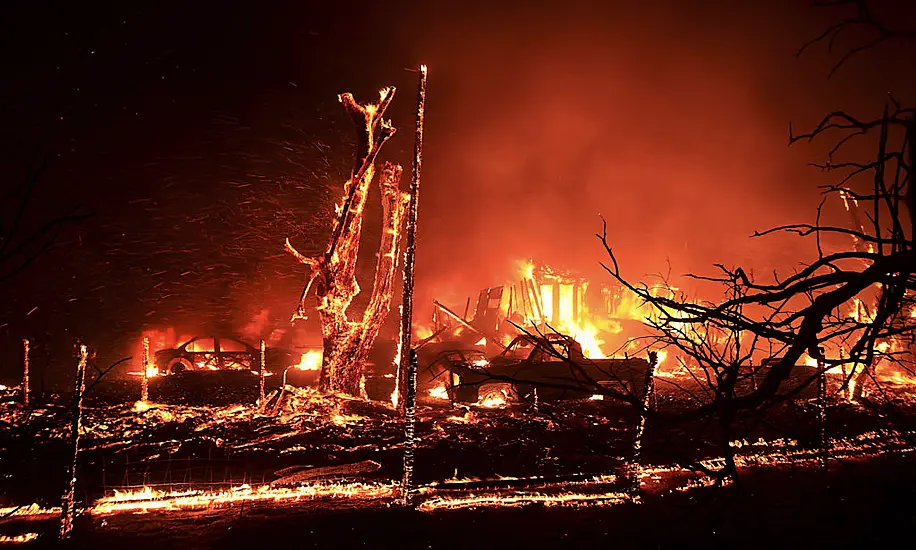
[(206, 353), (555, 366), (459, 375)]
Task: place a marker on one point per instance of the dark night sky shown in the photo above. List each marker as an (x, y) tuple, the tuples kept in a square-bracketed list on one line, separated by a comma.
[(197, 135)]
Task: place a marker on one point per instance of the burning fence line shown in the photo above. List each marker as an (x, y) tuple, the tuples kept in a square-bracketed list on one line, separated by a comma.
[(147, 499), (511, 500), (18, 539), (460, 494)]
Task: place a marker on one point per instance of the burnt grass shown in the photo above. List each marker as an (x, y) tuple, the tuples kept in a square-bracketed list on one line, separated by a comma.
[(198, 435)]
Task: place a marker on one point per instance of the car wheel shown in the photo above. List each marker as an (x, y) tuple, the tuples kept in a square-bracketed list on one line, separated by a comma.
[(179, 365)]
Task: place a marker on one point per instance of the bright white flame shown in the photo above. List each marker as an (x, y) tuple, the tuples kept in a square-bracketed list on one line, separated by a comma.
[(493, 401), (18, 539), (311, 360), (439, 392)]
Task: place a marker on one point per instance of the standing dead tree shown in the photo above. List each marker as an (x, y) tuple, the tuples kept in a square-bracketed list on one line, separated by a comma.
[(347, 342), (848, 308)]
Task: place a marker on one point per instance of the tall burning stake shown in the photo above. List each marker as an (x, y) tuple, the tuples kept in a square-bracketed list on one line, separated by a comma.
[(410, 248), (262, 368), (25, 372), (144, 375), (347, 342), (68, 504)]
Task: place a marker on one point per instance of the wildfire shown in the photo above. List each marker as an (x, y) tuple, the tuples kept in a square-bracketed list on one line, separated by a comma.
[(523, 499), (493, 402), (147, 499), (153, 370), (439, 392), (527, 269), (33, 510), (18, 539), (311, 360), (423, 332), (142, 406)]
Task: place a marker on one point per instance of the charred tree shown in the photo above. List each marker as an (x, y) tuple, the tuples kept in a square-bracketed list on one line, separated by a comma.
[(778, 326), (347, 342)]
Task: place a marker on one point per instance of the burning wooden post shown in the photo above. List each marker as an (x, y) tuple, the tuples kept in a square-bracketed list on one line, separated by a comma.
[(410, 422), (824, 447), (633, 470), (347, 342), (144, 376), (25, 372), (68, 504), (410, 248), (261, 373)]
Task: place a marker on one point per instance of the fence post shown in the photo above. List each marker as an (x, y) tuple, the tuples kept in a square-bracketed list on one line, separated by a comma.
[(25, 372), (261, 373), (824, 448), (633, 468), (68, 506), (410, 439), (144, 376)]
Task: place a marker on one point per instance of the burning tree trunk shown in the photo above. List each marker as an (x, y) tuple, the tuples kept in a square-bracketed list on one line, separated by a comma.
[(346, 342)]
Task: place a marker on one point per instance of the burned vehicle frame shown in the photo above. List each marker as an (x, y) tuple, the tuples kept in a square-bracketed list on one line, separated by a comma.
[(552, 366), (215, 353)]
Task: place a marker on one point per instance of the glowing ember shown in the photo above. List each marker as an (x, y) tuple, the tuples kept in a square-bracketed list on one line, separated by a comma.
[(142, 406), (493, 401), (523, 499), (311, 360), (481, 342), (596, 397), (147, 499), (18, 539), (32, 510)]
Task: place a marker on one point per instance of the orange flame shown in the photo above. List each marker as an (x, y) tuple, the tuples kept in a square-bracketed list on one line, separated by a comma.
[(311, 360)]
